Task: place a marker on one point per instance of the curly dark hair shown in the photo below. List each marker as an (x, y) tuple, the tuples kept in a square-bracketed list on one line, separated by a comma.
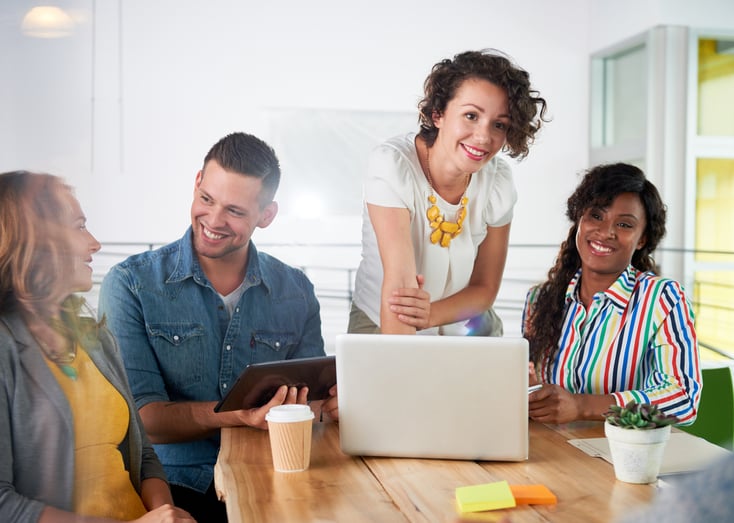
[(527, 108), (599, 187)]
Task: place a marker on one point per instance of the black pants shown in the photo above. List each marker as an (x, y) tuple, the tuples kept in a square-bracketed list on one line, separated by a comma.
[(205, 508)]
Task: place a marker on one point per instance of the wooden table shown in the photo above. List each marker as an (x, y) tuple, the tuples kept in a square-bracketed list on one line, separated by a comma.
[(338, 487)]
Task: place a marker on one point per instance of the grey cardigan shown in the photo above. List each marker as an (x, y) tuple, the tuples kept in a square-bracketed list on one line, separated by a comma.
[(36, 428)]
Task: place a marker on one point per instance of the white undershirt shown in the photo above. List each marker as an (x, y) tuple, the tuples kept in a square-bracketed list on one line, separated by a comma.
[(232, 299)]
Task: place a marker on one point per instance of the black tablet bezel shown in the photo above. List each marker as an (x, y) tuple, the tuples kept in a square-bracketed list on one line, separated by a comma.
[(258, 383)]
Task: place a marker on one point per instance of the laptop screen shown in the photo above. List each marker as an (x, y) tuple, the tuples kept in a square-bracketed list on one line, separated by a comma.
[(451, 397)]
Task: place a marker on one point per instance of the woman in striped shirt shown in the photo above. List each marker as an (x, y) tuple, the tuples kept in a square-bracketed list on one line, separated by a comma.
[(604, 328)]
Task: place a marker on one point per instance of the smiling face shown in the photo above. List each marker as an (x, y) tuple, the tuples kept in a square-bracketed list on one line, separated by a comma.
[(82, 245), (225, 212), (473, 128), (607, 238)]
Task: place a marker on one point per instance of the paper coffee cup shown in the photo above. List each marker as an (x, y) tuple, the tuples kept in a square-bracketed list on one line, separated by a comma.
[(290, 436)]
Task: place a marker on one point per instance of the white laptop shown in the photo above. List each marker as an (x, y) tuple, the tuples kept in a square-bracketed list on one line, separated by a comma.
[(450, 397)]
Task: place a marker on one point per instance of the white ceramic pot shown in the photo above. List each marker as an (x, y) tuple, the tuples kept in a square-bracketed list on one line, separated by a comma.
[(636, 454)]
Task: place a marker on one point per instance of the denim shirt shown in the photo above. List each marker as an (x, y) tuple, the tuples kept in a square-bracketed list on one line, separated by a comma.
[(178, 342)]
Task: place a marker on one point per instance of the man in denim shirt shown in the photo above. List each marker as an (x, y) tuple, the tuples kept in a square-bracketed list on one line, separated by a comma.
[(191, 315)]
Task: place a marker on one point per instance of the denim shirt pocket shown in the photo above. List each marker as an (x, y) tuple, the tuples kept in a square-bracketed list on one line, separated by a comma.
[(272, 346), (181, 350)]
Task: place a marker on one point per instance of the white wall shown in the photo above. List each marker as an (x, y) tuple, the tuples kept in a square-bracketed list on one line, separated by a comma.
[(127, 106), (613, 20)]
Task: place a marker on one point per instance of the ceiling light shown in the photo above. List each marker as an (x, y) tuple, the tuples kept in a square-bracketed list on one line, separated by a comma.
[(47, 22)]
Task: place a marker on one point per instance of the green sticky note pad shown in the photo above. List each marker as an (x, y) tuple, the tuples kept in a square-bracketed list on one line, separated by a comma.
[(489, 496)]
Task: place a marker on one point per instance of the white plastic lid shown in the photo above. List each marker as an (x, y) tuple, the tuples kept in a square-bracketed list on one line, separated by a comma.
[(289, 413)]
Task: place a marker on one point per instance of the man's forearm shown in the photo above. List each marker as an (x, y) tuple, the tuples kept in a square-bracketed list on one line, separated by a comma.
[(175, 422)]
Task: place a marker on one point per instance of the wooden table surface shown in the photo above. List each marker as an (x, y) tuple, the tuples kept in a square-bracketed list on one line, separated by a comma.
[(345, 488)]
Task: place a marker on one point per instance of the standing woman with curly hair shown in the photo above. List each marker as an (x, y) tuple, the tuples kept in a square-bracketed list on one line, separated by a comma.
[(604, 328), (72, 446), (438, 204)]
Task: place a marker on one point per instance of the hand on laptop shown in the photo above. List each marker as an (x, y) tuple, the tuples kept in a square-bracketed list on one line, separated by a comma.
[(413, 306)]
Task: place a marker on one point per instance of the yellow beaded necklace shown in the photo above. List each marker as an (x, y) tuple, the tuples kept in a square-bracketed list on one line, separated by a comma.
[(443, 230)]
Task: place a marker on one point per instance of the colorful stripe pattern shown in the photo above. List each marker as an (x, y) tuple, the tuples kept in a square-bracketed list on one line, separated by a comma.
[(636, 341)]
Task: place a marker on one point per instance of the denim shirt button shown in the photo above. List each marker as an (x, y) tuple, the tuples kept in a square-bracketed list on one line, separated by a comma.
[(229, 347), (224, 385), (277, 344), (175, 337)]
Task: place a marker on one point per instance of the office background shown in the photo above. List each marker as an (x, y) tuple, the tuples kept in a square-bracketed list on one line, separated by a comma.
[(124, 97)]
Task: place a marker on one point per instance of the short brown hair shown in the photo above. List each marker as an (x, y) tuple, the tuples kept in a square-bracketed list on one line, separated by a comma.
[(248, 155)]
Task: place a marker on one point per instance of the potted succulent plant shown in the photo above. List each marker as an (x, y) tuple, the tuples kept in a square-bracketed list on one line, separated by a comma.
[(637, 434)]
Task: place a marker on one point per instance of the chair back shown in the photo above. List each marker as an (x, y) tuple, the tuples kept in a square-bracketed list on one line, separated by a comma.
[(715, 420)]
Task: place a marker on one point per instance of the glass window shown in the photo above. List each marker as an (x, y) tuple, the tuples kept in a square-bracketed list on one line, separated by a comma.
[(623, 94), (714, 206), (715, 87), (713, 296), (714, 288), (325, 154)]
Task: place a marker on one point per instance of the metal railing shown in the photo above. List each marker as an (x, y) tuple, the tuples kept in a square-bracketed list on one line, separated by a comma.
[(333, 273)]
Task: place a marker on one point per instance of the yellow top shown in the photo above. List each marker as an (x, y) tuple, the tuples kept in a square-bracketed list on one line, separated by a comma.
[(102, 486)]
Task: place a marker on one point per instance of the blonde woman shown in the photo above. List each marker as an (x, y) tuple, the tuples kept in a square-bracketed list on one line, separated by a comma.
[(72, 447)]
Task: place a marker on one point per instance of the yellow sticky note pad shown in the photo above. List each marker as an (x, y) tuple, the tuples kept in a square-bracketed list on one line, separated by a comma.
[(489, 496), (533, 495)]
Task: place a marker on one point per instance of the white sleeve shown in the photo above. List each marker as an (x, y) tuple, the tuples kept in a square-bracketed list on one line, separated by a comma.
[(502, 196), (389, 182)]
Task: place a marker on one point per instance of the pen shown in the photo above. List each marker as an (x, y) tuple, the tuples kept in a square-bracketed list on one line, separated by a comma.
[(533, 388)]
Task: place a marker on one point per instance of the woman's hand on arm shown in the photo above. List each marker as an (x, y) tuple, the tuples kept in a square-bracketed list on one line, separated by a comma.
[(554, 404), (413, 306), (484, 284), (392, 229)]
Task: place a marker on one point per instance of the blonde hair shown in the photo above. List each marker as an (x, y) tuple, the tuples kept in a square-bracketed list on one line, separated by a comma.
[(34, 247)]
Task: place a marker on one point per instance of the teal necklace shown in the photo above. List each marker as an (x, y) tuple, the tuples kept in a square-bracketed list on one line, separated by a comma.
[(62, 360), (68, 370)]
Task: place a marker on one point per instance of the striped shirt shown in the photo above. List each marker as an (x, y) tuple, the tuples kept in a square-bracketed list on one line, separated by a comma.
[(637, 341)]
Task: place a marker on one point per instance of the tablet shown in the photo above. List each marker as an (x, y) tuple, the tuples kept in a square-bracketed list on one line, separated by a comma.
[(259, 381)]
